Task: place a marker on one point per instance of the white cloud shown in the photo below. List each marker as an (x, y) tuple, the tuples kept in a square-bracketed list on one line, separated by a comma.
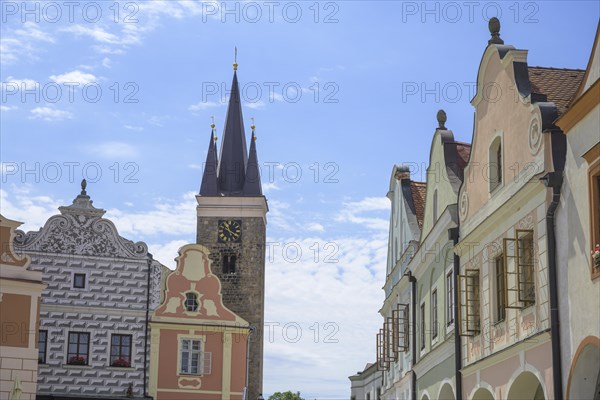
[(195, 166), (167, 218), (95, 32), (332, 293), (8, 108), (76, 76), (50, 114), (23, 205), (106, 63), (134, 128), (114, 150), (18, 44), (31, 30), (353, 212), (166, 253), (270, 187), (256, 105), (315, 227), (12, 84), (205, 105)]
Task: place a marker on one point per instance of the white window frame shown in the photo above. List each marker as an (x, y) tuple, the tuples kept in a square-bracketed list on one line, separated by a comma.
[(204, 360), (449, 296)]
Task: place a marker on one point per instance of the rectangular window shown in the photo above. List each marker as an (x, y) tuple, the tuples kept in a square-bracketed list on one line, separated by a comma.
[(469, 303), (526, 258), (423, 336), (191, 357), (594, 187), (78, 351), (500, 289), (434, 314), (79, 281), (449, 298), (42, 343), (401, 315), (120, 351)]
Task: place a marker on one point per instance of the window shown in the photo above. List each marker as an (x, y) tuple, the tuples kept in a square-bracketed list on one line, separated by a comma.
[(500, 289), (434, 314), (594, 187), (193, 360), (79, 281), (435, 206), (120, 351), (191, 302), (525, 254), (469, 301), (400, 314), (77, 353), (378, 393), (449, 298), (42, 342), (229, 263), (495, 164), (368, 396), (519, 270), (423, 336), (382, 364)]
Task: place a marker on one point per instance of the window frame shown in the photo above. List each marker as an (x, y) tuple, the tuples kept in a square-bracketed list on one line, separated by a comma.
[(500, 294), (226, 263), (74, 280), (475, 328), (594, 199), (495, 166), (434, 315), (422, 316), (78, 344), (191, 351), (120, 346), (42, 360), (187, 305), (450, 298)]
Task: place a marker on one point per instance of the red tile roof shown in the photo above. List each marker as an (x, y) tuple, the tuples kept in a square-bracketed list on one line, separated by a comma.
[(559, 85), (418, 190)]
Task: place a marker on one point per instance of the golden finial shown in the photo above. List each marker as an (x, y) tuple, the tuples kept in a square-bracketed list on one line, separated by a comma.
[(212, 124), (252, 126), (235, 65)]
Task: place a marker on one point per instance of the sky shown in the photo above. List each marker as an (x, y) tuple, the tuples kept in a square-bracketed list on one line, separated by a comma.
[(122, 93)]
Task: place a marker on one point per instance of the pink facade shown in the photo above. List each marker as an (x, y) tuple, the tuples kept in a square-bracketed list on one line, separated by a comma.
[(199, 346)]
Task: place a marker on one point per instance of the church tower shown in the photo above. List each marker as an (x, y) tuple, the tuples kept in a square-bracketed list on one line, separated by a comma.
[(232, 225)]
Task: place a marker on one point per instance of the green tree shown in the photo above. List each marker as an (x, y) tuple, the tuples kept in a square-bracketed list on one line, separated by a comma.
[(285, 396)]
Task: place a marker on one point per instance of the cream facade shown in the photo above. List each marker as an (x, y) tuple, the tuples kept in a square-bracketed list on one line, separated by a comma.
[(505, 282), (578, 216)]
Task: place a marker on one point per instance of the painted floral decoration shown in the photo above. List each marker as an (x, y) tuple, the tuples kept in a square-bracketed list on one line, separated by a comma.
[(596, 255), (121, 362), (77, 360)]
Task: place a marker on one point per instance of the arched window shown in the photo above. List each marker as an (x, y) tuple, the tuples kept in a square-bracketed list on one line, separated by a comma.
[(229, 263), (495, 164), (191, 302)]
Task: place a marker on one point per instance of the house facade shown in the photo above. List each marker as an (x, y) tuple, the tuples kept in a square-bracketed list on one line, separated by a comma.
[(578, 216), (366, 384), (433, 268), (93, 336), (199, 346), (20, 294), (507, 276)]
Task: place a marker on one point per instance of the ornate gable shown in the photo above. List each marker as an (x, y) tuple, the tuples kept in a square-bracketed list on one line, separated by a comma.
[(80, 230)]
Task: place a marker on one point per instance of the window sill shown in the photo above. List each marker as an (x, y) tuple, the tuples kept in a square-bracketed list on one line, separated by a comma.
[(77, 366), (184, 375)]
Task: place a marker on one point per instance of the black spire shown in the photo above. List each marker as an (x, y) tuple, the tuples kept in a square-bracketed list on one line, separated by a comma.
[(234, 155), (209, 186), (252, 186)]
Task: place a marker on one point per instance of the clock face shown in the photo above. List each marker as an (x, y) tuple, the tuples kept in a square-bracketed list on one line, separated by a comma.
[(230, 231)]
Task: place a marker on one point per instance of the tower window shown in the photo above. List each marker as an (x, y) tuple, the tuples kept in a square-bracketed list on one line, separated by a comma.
[(229, 263), (191, 302)]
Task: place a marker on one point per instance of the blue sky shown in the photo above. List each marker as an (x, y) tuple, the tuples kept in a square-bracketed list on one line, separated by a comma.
[(340, 91)]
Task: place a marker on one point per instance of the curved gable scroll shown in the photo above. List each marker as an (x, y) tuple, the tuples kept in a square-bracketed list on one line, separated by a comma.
[(194, 275)]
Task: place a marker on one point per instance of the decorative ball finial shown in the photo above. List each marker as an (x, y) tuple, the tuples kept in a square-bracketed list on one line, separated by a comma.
[(212, 124), (83, 186), (235, 64), (252, 126), (442, 118), (494, 27)]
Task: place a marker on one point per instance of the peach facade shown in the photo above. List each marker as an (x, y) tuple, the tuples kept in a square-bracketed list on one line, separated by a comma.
[(199, 347), (20, 291)]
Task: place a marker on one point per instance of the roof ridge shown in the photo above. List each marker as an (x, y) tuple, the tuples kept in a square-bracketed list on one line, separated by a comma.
[(557, 68)]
